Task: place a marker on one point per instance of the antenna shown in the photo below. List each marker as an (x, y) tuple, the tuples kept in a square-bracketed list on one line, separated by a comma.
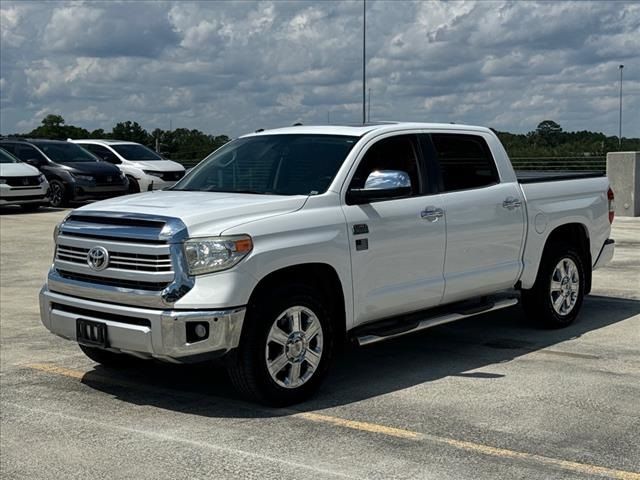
[(364, 60)]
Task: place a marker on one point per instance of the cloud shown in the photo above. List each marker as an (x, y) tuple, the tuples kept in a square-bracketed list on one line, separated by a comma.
[(136, 29), (232, 67)]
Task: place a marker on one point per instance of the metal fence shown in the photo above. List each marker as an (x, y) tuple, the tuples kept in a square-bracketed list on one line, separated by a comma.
[(595, 164)]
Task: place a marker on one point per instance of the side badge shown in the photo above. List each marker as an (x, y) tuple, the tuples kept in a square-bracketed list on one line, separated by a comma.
[(362, 244), (360, 228)]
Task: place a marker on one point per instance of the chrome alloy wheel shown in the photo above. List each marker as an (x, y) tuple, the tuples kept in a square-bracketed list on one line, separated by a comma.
[(294, 347), (565, 283)]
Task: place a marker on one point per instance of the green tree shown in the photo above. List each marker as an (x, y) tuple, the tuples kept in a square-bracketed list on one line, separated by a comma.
[(53, 127), (132, 132)]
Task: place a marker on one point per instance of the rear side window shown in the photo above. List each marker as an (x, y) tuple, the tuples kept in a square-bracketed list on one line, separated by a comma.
[(465, 161), (101, 152)]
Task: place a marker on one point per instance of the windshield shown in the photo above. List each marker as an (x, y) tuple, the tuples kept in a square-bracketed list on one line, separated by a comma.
[(271, 164), (65, 152), (6, 157), (135, 152)]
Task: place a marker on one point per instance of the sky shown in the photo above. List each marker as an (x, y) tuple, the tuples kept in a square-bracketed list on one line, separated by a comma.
[(233, 67)]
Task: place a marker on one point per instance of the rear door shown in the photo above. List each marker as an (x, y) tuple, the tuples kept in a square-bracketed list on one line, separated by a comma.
[(484, 217), (397, 249)]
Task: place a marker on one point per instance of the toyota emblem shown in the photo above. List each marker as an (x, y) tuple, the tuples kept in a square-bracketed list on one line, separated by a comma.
[(98, 258)]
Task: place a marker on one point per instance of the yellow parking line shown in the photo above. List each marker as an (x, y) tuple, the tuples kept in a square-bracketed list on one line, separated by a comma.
[(364, 426), (408, 434), (51, 368)]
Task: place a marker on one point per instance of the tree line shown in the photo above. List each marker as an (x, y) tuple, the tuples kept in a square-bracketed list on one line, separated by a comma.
[(182, 144), (549, 140)]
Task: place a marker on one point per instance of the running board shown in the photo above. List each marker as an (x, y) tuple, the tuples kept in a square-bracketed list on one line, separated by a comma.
[(367, 339)]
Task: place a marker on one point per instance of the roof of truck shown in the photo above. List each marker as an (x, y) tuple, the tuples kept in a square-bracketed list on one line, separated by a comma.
[(362, 129)]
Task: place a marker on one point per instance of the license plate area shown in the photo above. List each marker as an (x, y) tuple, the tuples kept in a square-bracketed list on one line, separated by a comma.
[(91, 333)]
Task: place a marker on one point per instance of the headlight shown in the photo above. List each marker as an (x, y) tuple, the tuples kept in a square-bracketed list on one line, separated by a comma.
[(41, 178), (85, 178), (206, 255), (56, 229), (154, 173)]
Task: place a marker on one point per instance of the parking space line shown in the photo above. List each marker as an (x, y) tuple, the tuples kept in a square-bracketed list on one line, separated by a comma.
[(355, 425), (479, 448), (186, 441)]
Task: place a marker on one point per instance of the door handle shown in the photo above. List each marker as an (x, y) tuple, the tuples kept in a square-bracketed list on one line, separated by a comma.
[(432, 214), (511, 202)]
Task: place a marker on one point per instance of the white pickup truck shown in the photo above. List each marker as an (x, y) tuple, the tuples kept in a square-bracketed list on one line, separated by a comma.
[(283, 243)]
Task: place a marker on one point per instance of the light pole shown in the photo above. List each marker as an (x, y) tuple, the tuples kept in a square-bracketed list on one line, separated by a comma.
[(364, 61), (620, 121)]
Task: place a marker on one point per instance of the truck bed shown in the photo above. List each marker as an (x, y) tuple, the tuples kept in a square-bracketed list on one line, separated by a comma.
[(534, 176)]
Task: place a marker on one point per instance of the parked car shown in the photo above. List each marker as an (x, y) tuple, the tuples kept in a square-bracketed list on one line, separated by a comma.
[(21, 184), (282, 244), (145, 169), (74, 174)]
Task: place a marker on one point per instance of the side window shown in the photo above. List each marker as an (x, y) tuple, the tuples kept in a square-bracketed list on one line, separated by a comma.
[(465, 161), (9, 147), (394, 153), (101, 152), (27, 152)]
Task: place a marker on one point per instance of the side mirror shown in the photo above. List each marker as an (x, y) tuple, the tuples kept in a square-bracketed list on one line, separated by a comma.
[(34, 162), (381, 185)]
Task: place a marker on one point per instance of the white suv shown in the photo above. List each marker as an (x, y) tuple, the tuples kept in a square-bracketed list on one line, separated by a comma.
[(145, 169)]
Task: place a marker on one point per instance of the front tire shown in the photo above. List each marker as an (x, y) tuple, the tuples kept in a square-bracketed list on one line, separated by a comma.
[(556, 297), (134, 186), (286, 347), (58, 194)]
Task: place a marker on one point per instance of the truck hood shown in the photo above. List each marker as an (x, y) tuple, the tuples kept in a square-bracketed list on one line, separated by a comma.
[(204, 213), (157, 165), (18, 170)]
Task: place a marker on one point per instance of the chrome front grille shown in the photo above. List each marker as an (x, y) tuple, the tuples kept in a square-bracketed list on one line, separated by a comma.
[(129, 264), (121, 258)]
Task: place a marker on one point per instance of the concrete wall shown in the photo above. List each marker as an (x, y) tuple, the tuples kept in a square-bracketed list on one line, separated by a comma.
[(623, 170)]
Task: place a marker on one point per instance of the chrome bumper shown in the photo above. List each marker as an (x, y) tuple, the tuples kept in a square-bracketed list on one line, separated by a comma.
[(143, 332)]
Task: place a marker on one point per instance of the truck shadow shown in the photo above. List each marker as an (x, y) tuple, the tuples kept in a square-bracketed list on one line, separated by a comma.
[(457, 349)]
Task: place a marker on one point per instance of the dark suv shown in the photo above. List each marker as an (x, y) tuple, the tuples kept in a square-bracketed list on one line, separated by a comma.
[(74, 174)]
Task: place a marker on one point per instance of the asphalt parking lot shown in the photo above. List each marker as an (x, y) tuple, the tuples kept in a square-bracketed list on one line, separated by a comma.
[(486, 398)]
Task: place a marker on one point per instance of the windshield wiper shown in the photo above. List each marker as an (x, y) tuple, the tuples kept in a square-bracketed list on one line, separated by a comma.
[(255, 192)]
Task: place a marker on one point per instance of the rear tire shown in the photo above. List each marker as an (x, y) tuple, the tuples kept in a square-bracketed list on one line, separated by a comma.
[(108, 359), (286, 348), (556, 297)]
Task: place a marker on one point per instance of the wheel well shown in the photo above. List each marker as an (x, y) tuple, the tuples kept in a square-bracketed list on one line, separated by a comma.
[(319, 276), (577, 235)]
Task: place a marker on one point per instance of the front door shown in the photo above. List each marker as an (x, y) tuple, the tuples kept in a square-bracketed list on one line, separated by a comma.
[(397, 246)]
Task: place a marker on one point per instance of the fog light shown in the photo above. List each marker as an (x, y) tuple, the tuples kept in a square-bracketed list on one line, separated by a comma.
[(201, 330), (197, 331)]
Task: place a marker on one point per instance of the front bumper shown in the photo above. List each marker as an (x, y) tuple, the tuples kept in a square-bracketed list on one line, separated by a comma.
[(92, 192), (151, 182), (146, 333), (23, 196)]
